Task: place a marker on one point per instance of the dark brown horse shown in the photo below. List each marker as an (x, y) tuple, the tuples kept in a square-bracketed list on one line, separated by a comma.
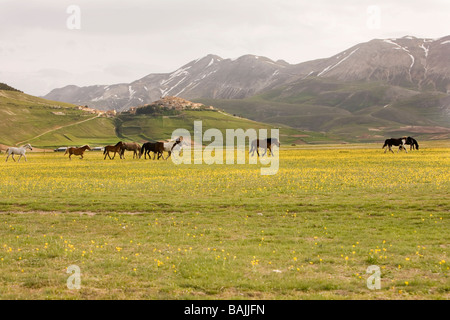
[(131, 146), (400, 142), (77, 151), (155, 147), (263, 143), (412, 143), (117, 148)]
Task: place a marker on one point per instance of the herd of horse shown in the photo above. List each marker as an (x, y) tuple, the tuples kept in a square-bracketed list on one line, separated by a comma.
[(158, 148), (401, 143)]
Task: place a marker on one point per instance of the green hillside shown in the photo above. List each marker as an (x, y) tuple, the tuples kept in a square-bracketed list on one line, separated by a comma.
[(354, 111), (148, 128), (45, 123), (49, 124)]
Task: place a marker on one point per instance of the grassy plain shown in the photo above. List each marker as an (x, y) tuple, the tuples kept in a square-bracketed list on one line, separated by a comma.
[(141, 229)]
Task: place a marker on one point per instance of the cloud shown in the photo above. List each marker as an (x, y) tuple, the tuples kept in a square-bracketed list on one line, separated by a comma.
[(119, 40)]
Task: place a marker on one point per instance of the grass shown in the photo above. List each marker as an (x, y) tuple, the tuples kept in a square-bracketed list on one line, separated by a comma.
[(154, 230), (50, 124)]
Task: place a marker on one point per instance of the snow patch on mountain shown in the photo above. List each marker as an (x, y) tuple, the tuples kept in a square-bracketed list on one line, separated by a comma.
[(331, 67), (211, 63), (426, 49), (131, 92)]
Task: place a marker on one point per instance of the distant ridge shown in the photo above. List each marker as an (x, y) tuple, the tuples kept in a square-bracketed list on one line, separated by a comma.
[(408, 62)]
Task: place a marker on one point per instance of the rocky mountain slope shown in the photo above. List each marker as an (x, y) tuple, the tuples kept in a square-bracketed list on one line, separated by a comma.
[(419, 64)]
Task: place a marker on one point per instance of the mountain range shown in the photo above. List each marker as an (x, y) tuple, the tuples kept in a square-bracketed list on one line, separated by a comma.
[(391, 83)]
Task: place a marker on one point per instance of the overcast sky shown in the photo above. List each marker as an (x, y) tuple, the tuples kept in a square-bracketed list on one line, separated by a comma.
[(41, 47)]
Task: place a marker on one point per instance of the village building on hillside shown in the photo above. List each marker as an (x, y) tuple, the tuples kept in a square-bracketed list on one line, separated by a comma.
[(173, 103)]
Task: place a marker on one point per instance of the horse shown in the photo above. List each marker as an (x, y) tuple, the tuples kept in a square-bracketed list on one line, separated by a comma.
[(263, 143), (155, 147), (177, 143), (394, 142), (130, 146), (77, 151), (412, 143), (20, 151), (117, 148)]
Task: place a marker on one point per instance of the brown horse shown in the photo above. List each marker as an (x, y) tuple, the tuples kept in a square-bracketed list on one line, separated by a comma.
[(117, 148), (131, 146), (265, 144), (77, 151)]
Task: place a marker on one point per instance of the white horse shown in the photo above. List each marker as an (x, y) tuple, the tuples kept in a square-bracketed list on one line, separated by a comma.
[(20, 151), (176, 144)]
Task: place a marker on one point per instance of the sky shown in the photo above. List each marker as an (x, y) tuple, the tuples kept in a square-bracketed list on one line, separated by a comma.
[(47, 44)]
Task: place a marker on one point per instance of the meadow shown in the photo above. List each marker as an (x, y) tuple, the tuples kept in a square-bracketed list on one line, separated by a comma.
[(142, 229)]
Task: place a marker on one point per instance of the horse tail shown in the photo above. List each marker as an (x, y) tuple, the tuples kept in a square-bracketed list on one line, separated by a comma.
[(385, 144), (416, 144), (67, 150)]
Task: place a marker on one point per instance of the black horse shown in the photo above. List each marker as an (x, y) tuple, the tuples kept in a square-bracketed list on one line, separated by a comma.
[(155, 147), (412, 143), (400, 142), (263, 143)]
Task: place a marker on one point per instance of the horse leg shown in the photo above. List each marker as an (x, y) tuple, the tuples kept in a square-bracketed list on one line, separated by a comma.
[(265, 151)]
